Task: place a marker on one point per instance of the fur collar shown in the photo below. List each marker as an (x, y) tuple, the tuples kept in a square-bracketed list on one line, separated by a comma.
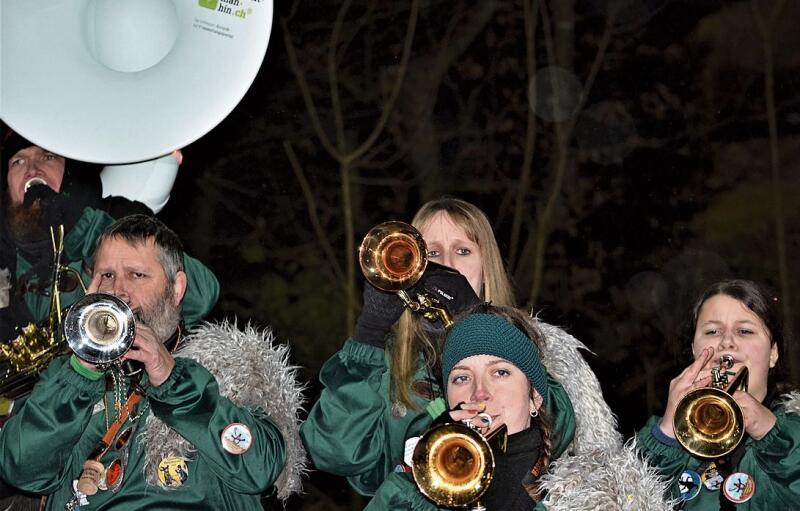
[(608, 480), (597, 471), (253, 372), (596, 425)]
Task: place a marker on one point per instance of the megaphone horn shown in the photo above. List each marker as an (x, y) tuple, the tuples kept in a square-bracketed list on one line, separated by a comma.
[(122, 81)]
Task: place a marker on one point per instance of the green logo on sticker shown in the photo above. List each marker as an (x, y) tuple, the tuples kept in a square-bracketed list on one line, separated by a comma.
[(208, 4)]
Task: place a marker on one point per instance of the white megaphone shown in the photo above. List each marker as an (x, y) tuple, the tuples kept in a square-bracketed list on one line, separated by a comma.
[(148, 182), (123, 81)]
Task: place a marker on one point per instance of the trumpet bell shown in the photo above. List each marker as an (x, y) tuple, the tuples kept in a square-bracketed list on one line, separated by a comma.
[(393, 256), (708, 423), (453, 465), (99, 328)]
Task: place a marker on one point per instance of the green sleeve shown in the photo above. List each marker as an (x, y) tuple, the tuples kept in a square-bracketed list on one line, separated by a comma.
[(202, 291), (79, 244), (399, 492), (660, 451), (344, 430), (351, 430), (777, 455), (37, 443), (189, 402)]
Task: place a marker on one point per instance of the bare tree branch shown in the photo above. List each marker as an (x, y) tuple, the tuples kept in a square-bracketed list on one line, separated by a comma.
[(305, 91), (766, 29), (563, 136), (530, 16), (311, 205)]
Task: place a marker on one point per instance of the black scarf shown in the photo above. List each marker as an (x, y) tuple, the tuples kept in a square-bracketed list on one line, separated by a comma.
[(511, 468)]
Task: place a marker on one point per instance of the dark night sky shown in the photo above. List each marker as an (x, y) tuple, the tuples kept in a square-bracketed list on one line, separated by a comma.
[(668, 186)]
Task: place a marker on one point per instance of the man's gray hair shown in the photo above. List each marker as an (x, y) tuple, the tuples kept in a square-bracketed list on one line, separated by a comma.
[(138, 229)]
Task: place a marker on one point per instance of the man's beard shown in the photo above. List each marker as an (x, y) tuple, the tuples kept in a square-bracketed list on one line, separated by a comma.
[(24, 223), (163, 316)]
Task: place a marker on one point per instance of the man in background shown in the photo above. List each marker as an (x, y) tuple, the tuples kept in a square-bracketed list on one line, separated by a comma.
[(212, 425), (44, 189)]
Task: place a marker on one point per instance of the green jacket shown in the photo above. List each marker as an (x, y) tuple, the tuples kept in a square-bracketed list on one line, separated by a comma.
[(399, 492), (354, 430), (44, 446), (773, 462), (351, 430), (201, 293)]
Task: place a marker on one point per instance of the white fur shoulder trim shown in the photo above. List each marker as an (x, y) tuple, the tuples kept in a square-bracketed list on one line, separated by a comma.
[(253, 371), (615, 480), (596, 425)]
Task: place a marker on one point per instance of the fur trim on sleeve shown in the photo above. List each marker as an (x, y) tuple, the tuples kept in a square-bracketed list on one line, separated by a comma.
[(791, 401), (596, 425), (608, 480), (253, 371)]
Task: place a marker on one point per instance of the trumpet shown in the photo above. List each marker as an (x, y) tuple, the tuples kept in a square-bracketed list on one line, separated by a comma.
[(100, 328), (453, 464), (393, 258), (708, 422)]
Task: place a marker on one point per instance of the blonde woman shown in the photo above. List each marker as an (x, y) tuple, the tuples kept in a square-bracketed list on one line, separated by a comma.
[(383, 387)]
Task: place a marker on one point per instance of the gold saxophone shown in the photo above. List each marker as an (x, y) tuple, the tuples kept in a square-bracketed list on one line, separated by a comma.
[(25, 357), (98, 328)]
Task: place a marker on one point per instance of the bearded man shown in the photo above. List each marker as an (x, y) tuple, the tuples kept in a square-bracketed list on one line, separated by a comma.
[(44, 189), (212, 424)]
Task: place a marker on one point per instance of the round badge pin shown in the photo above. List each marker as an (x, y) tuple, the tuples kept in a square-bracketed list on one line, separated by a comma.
[(236, 438), (739, 487), (689, 484), (711, 477), (173, 471)]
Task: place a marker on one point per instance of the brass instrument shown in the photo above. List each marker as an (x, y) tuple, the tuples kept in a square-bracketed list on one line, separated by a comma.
[(25, 357), (708, 422), (99, 328), (453, 464), (393, 257)]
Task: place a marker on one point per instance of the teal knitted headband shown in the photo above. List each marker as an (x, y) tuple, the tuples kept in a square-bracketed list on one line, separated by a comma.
[(487, 334)]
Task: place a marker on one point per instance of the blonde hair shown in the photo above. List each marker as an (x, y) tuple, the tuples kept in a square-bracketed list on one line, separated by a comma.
[(411, 339)]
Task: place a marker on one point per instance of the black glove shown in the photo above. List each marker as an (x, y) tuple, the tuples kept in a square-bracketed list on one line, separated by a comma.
[(379, 312), (448, 286), (56, 208)]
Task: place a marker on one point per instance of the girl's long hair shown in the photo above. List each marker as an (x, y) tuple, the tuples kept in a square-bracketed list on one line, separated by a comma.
[(410, 338)]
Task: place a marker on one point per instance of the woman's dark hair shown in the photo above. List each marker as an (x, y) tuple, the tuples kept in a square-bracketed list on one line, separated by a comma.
[(527, 325), (763, 304)]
